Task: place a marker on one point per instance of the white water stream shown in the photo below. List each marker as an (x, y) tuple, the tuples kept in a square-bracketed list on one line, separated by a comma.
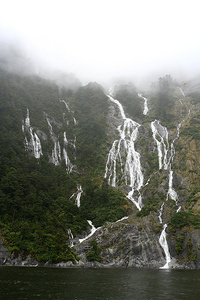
[(34, 144), (166, 154), (69, 165), (123, 162), (164, 245), (77, 195), (93, 230), (57, 152), (146, 109), (71, 237)]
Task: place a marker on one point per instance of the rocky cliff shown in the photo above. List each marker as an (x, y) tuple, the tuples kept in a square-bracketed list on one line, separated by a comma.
[(121, 161)]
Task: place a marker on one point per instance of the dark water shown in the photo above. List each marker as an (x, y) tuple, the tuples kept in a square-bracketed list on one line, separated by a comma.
[(124, 284)]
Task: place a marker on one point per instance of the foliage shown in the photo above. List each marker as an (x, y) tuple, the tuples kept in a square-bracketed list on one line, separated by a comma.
[(93, 253), (195, 97), (35, 207), (163, 100), (182, 219), (151, 204), (179, 245), (193, 130), (132, 103), (103, 203), (90, 107)]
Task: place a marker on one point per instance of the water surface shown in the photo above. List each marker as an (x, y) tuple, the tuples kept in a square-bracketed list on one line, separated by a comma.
[(123, 284)]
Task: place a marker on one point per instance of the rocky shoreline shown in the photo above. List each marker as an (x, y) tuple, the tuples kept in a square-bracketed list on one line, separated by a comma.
[(123, 244)]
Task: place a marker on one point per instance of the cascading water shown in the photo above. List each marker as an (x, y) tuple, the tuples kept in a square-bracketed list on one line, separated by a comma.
[(77, 195), (164, 245), (69, 166), (93, 230), (182, 92), (166, 154), (123, 162), (66, 105), (56, 151), (56, 156), (34, 144), (162, 143), (71, 237), (146, 109)]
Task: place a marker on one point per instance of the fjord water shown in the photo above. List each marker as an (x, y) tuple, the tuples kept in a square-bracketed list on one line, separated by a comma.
[(116, 284)]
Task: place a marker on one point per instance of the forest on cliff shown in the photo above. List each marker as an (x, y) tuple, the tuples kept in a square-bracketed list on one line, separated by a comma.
[(55, 142)]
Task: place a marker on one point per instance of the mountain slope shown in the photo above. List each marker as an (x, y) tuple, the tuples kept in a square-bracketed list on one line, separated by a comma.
[(69, 156)]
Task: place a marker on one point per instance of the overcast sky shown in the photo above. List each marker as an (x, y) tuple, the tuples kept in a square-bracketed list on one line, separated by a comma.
[(101, 39)]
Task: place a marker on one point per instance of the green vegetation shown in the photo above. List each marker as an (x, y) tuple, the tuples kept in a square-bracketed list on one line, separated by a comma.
[(163, 100), (151, 203), (93, 253), (190, 254), (192, 131), (195, 97), (128, 97), (182, 219), (179, 243), (90, 107), (35, 206), (101, 203)]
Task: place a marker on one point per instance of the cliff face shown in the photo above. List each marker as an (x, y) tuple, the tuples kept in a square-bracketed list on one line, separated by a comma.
[(69, 156), (170, 191)]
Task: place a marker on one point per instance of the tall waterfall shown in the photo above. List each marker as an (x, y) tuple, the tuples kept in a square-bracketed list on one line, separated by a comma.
[(166, 154), (123, 163)]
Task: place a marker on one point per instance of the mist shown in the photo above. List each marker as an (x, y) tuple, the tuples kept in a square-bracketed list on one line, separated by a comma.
[(105, 41)]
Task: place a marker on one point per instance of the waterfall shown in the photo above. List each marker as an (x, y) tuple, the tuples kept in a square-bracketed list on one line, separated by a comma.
[(71, 237), (160, 213), (164, 245), (77, 195), (34, 144), (166, 154), (171, 192), (146, 109), (68, 163), (123, 162), (93, 230), (66, 105), (182, 92), (160, 136), (56, 152), (75, 122)]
